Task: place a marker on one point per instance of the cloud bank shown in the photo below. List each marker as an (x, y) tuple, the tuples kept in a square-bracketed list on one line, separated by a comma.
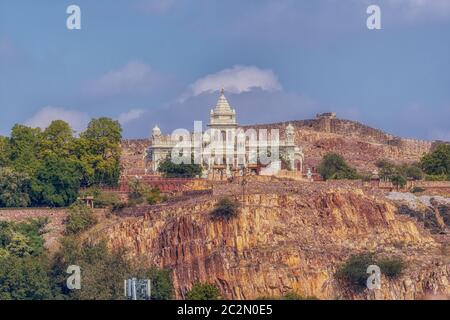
[(134, 78), (130, 116), (42, 119), (237, 79)]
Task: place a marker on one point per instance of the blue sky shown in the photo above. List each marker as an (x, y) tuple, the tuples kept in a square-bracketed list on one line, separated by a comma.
[(147, 62)]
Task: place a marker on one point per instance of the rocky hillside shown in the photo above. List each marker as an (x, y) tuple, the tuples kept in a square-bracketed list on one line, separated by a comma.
[(289, 237), (361, 145)]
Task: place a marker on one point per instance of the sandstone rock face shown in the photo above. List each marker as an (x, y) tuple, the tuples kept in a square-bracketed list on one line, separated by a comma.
[(284, 241)]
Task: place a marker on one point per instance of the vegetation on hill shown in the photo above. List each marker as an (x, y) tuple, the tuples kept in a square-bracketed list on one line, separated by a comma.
[(79, 219), (433, 166), (28, 273), (172, 170), (24, 267), (140, 193), (14, 188), (333, 166), (436, 164), (103, 273), (48, 167), (353, 272), (388, 170), (203, 291), (102, 199), (225, 208), (22, 239), (291, 295)]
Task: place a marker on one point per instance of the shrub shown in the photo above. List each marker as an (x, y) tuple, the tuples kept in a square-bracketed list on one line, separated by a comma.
[(354, 271), (333, 166), (438, 161), (106, 200), (162, 288), (295, 296), (173, 170), (398, 180), (103, 272), (79, 219), (203, 291), (391, 267), (22, 239), (417, 190), (225, 208), (288, 296), (154, 196), (25, 278), (437, 177), (412, 171), (14, 188), (140, 193)]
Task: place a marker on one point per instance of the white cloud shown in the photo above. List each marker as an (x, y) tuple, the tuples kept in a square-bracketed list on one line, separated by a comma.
[(130, 116), (134, 78), (42, 119), (237, 79)]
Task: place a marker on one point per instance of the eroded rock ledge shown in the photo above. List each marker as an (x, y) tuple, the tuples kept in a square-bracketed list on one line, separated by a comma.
[(292, 240)]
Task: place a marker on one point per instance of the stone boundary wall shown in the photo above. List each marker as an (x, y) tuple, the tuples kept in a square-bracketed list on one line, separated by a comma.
[(54, 228), (420, 184), (24, 214), (353, 129)]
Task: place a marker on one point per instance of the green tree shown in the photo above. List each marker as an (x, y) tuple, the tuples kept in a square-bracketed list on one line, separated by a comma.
[(79, 219), (23, 239), (162, 287), (386, 168), (333, 166), (438, 161), (18, 246), (104, 272), (25, 278), (99, 152), (57, 140), (203, 291), (24, 145), (398, 181), (4, 151), (56, 182), (173, 170), (14, 188), (412, 171)]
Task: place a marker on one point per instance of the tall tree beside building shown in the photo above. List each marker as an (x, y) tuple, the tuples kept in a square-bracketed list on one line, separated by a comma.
[(99, 151)]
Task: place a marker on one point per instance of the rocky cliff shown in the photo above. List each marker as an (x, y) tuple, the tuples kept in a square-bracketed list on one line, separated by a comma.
[(292, 239), (360, 144)]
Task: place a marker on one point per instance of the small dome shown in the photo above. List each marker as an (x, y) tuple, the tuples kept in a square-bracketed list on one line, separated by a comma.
[(156, 131), (290, 128)]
